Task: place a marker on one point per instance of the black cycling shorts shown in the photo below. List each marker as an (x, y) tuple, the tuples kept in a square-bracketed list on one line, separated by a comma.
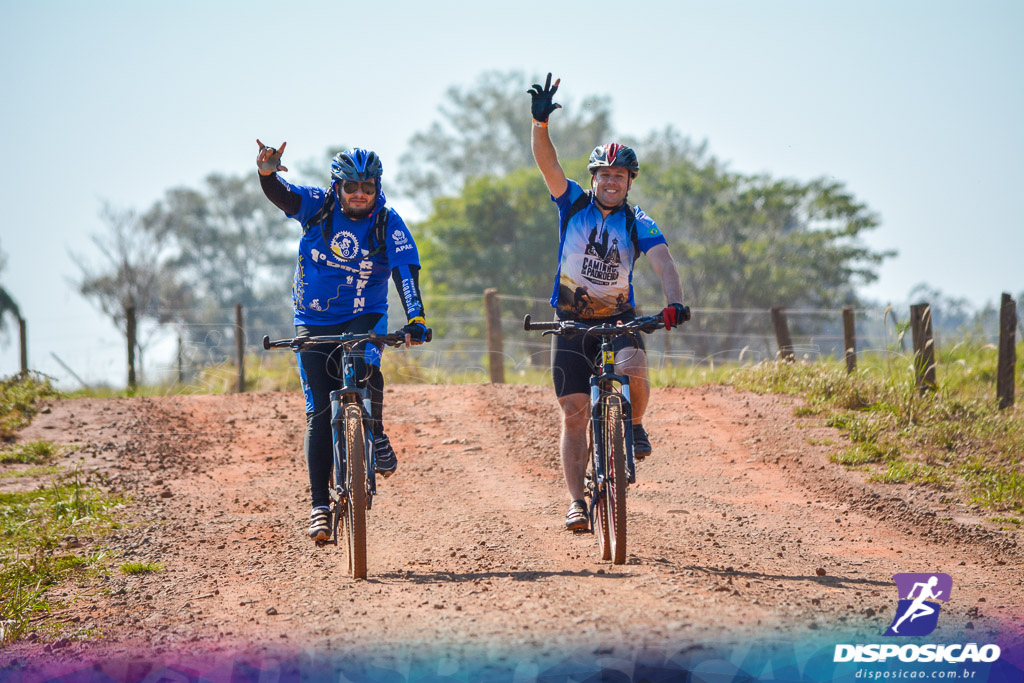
[(573, 359)]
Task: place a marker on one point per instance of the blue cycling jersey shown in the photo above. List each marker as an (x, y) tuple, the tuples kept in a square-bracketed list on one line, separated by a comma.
[(596, 256), (335, 280)]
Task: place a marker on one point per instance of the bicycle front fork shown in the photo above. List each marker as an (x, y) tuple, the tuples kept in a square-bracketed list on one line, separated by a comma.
[(597, 421), (340, 441)]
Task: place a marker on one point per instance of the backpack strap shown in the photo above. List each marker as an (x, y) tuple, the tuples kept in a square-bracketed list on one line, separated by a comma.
[(631, 227), (324, 217), (582, 202), (379, 232)]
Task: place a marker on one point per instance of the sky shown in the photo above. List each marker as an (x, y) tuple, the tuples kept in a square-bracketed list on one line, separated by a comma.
[(916, 106)]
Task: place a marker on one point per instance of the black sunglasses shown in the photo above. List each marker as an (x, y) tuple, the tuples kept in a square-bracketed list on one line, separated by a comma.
[(351, 187)]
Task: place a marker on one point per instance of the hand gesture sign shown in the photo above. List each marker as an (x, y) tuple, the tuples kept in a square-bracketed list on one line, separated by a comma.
[(542, 96), (269, 159)]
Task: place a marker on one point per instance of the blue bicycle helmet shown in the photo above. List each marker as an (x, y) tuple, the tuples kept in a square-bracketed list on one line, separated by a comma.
[(356, 164)]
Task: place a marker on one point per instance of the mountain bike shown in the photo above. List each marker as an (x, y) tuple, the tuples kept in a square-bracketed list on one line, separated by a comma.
[(612, 465), (353, 476)]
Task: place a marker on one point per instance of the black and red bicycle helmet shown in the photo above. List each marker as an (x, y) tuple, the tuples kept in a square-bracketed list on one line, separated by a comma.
[(614, 154)]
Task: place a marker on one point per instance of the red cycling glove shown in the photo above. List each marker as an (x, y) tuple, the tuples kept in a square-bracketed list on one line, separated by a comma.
[(675, 315)]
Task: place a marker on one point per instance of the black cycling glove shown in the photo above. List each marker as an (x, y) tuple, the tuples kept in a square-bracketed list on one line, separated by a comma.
[(416, 329), (542, 96)]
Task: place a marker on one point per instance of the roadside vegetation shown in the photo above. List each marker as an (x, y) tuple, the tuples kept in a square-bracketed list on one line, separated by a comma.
[(954, 439), (49, 520), (20, 399)]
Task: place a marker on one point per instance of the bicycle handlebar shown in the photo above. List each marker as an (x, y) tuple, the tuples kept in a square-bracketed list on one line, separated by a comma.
[(646, 324), (299, 343)]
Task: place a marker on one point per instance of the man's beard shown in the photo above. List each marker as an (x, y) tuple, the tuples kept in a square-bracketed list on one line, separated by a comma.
[(357, 213)]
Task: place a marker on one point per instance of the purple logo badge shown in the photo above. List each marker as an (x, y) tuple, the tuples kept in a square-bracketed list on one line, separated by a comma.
[(917, 613)]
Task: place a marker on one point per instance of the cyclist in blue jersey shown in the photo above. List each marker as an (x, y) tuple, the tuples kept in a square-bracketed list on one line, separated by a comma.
[(600, 238), (351, 245)]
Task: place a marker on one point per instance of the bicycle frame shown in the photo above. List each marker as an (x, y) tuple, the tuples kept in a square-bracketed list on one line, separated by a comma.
[(601, 385)]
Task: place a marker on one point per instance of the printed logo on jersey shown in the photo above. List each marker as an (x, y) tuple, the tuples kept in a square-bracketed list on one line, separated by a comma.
[(399, 237), (345, 245), (917, 613), (602, 260)]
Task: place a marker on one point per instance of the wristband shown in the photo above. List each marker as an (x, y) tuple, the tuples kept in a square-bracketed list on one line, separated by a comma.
[(540, 124), (418, 319)]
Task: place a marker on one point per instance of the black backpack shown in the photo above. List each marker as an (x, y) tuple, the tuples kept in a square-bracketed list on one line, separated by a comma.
[(325, 219)]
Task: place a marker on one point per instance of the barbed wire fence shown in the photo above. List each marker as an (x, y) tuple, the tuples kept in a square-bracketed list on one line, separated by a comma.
[(469, 339)]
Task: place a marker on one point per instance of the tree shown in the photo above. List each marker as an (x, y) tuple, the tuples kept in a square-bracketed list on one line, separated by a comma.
[(134, 280), (484, 130), (752, 242), (499, 232), (228, 245), (7, 304), (741, 242)]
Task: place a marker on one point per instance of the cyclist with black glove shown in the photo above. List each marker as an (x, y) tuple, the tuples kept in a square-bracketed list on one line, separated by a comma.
[(351, 244), (600, 238)]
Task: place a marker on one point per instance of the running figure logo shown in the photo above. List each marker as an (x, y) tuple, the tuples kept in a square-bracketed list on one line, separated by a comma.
[(918, 611)]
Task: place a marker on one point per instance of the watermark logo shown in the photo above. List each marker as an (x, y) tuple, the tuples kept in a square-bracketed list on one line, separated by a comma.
[(920, 595)]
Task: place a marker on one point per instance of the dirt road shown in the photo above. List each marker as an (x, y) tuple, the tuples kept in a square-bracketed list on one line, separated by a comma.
[(740, 530)]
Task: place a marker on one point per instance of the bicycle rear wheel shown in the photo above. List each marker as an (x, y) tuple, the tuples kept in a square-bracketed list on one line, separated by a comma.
[(615, 476), (355, 507)]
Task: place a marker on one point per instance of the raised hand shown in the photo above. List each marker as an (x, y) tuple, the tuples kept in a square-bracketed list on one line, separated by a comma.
[(542, 96), (269, 159)]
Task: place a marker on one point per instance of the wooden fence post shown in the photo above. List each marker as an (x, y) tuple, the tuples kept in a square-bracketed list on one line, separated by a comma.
[(181, 361), (239, 349), (495, 354), (1005, 375), (849, 340), (924, 347), (130, 335), (23, 340), (782, 334)]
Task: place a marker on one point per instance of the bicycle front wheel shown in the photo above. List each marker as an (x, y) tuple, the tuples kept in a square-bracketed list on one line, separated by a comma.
[(615, 476), (355, 508), (600, 510)]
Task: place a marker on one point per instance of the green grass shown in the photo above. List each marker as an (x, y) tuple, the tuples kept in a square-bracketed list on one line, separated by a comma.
[(35, 527), (32, 453), (141, 567), (19, 402), (30, 472), (953, 439), (1015, 521)]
